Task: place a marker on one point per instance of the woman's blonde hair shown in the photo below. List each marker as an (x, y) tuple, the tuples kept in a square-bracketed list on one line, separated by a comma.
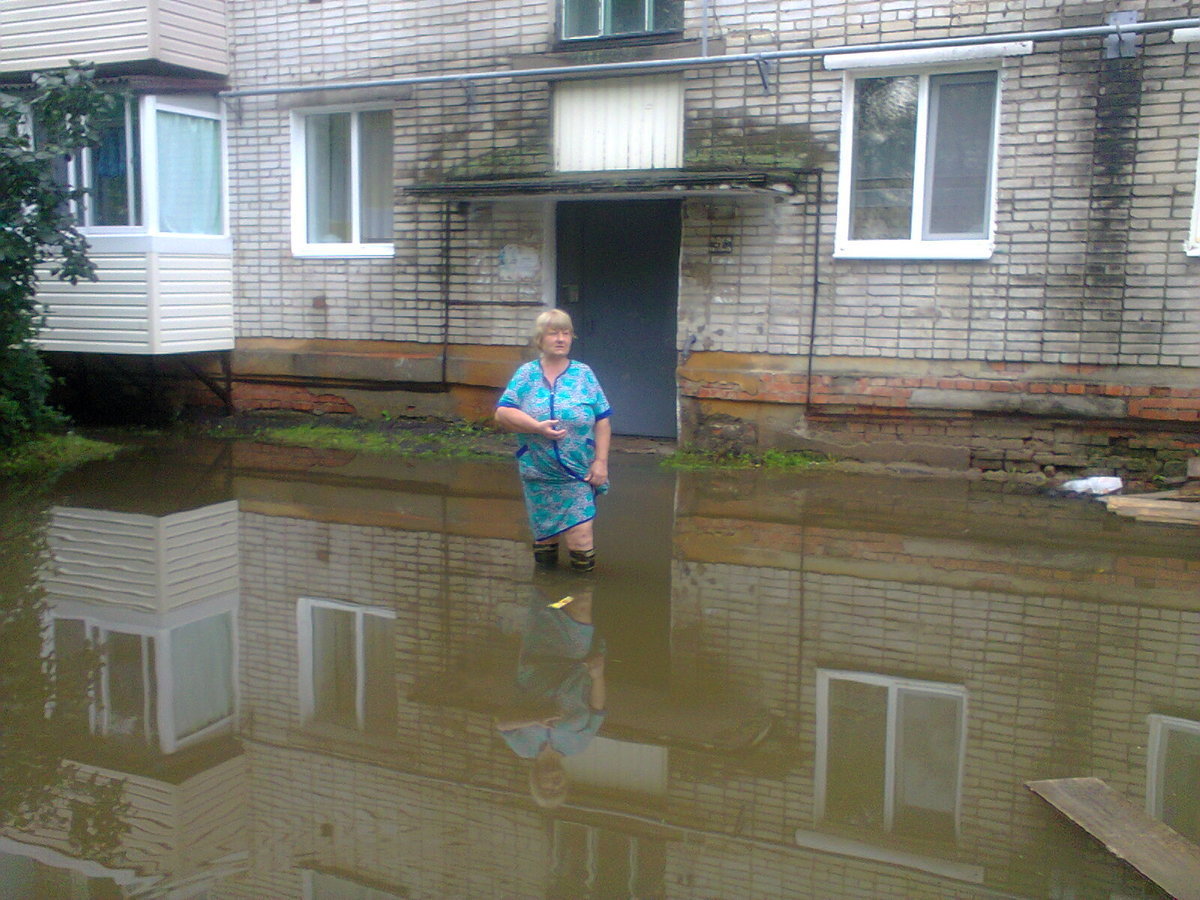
[(550, 320)]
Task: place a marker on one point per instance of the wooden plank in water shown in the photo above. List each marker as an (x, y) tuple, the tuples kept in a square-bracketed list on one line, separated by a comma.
[(1157, 851)]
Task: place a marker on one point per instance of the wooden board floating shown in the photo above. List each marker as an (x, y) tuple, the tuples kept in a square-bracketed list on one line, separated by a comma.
[(1178, 507), (1157, 851)]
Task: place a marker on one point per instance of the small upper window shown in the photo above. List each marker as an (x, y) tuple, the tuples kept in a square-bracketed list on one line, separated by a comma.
[(918, 166), (619, 18), (342, 183)]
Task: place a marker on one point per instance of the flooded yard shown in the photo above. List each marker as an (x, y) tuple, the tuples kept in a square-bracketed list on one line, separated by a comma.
[(275, 672)]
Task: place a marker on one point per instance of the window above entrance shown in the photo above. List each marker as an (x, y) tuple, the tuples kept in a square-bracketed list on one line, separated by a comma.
[(583, 19)]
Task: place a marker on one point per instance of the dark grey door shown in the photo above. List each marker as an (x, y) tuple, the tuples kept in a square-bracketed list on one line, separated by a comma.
[(618, 278)]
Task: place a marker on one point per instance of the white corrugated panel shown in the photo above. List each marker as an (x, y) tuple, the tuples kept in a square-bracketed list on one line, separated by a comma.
[(618, 123), (38, 34), (109, 315), (140, 561), (142, 303), (195, 303)]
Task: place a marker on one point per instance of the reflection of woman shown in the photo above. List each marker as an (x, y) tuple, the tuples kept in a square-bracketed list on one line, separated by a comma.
[(559, 699), (557, 407)]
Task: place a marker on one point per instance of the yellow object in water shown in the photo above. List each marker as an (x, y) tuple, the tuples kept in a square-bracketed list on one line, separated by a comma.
[(559, 604)]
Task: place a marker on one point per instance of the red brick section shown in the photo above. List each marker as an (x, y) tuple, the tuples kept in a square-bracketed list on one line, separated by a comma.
[(250, 397), (876, 393)]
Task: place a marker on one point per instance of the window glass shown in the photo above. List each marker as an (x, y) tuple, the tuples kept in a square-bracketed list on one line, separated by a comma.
[(857, 754), (885, 120), (962, 110), (348, 177), (613, 18), (375, 163), (1181, 783), (189, 174), (327, 153), (927, 762), (334, 666), (113, 171), (202, 674)]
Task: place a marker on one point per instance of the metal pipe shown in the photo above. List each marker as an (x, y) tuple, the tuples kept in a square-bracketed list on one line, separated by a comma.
[(704, 28), (1054, 34)]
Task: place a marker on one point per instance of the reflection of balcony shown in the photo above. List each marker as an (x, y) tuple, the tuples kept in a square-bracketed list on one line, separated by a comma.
[(50, 33), (157, 598)]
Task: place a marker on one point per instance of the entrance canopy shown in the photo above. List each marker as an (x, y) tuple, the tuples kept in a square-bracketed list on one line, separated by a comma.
[(657, 183)]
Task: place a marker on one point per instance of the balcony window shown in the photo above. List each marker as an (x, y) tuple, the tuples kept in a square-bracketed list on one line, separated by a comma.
[(164, 179), (620, 18)]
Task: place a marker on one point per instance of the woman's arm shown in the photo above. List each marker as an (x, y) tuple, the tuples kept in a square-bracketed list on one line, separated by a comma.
[(598, 470), (519, 422)]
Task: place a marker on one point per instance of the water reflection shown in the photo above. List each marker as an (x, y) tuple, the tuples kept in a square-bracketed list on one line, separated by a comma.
[(322, 676)]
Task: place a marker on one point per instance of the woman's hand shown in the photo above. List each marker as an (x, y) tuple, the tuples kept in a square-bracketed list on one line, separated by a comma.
[(551, 428), (597, 473)]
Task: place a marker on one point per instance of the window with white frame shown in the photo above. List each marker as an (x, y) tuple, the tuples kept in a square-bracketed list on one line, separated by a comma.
[(164, 687), (1173, 776), (890, 753), (347, 659), (342, 183), (157, 169), (619, 18), (918, 165)]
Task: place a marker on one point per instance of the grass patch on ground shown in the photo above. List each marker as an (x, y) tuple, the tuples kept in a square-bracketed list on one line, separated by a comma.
[(50, 453), (791, 460), (440, 440)]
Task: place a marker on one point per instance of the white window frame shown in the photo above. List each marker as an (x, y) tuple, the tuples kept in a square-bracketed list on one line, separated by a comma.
[(301, 246), (160, 630), (606, 16), (893, 685), (1156, 748), (913, 247), (304, 634), (135, 238), (1192, 245)]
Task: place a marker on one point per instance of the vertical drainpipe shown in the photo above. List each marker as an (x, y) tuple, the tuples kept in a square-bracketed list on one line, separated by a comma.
[(445, 286), (704, 28), (816, 289)]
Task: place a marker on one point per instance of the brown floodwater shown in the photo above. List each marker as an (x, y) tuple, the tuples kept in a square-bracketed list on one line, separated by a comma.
[(238, 671)]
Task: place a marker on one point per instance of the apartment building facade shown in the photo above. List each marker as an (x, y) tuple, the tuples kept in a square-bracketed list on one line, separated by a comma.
[(962, 234)]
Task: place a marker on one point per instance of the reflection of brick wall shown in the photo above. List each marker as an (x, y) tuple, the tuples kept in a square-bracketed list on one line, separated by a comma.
[(419, 837), (1056, 687)]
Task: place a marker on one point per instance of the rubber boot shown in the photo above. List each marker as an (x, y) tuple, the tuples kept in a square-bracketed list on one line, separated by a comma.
[(545, 556), (583, 560)]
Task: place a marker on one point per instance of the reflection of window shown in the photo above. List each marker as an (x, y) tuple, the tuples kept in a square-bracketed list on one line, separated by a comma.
[(342, 183), (1173, 779), (889, 753), (918, 165), (1193, 241), (347, 652), (597, 862), (614, 18), (165, 687), (167, 178)]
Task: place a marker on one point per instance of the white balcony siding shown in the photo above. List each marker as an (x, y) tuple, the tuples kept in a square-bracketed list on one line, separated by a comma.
[(618, 123), (43, 34), (142, 304), (156, 564)]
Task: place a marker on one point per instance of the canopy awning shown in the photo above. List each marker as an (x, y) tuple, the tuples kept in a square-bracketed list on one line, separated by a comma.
[(625, 184)]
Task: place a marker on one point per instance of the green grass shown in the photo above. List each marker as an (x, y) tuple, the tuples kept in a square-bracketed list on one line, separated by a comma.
[(691, 458), (457, 441), (51, 453)]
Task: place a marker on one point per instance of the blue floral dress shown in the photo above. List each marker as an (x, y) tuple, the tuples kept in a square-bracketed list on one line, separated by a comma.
[(552, 472)]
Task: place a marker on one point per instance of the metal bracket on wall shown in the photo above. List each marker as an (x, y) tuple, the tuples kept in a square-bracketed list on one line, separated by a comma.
[(469, 90), (766, 73), (1118, 46)]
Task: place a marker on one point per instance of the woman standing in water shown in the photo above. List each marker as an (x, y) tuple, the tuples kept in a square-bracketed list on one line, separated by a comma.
[(559, 410)]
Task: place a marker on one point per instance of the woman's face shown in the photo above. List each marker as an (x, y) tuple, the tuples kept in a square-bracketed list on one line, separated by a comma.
[(556, 343)]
